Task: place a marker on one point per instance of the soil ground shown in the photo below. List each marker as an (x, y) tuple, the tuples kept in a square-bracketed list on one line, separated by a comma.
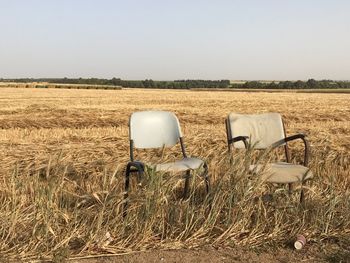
[(223, 255)]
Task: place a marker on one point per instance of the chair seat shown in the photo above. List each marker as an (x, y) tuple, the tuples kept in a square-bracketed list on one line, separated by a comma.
[(282, 172), (181, 165)]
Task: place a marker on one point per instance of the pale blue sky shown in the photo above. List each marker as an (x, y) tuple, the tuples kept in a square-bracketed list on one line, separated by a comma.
[(178, 39)]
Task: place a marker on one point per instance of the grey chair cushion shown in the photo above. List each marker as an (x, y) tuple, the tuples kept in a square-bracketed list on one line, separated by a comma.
[(181, 165), (282, 172)]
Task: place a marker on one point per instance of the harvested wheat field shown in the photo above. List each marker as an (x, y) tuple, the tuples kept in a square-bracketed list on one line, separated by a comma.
[(63, 156)]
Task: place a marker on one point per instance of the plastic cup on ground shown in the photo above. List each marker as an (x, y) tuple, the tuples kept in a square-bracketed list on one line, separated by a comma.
[(300, 242)]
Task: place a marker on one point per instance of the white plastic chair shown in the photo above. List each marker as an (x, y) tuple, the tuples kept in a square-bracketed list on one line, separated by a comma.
[(263, 131), (158, 129)]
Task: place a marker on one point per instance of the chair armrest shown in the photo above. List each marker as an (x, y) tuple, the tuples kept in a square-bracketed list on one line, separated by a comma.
[(288, 139), (244, 139), (295, 137)]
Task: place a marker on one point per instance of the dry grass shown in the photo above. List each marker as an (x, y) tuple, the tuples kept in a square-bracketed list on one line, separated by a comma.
[(63, 155)]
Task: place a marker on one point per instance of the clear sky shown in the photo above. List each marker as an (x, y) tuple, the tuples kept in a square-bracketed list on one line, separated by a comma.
[(175, 39)]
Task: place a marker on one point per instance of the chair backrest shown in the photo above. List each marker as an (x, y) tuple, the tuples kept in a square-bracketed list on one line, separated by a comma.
[(262, 129), (154, 129)]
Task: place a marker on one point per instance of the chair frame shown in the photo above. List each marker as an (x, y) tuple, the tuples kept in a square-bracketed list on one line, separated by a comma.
[(139, 168), (284, 141)]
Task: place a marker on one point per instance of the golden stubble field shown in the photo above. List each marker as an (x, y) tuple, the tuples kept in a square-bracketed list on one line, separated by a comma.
[(63, 155)]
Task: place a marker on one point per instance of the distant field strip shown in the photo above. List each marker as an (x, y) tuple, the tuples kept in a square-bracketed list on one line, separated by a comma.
[(345, 91), (57, 86)]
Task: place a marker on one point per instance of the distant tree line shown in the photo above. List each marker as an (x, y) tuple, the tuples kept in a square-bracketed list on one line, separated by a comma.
[(310, 84), (177, 84), (192, 84), (147, 83)]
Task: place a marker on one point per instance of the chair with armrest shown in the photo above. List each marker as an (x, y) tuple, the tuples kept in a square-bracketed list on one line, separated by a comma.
[(265, 131)]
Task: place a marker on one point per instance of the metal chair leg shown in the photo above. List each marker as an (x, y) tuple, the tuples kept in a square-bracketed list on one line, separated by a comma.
[(302, 197), (188, 177), (187, 184), (126, 189), (206, 177), (290, 188), (139, 169)]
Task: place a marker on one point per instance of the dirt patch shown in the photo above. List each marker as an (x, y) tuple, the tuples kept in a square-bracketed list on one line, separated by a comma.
[(212, 255)]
